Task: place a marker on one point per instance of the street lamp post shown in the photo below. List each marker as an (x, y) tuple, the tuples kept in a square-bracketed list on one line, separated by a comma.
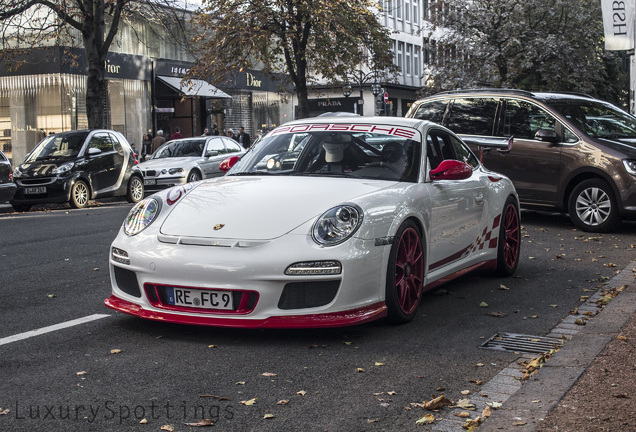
[(362, 78)]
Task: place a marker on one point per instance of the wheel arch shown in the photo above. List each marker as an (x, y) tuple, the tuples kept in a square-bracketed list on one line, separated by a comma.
[(579, 176), (86, 180)]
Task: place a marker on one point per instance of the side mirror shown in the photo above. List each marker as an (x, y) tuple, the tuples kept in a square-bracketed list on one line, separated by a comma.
[(451, 170), (211, 153), (93, 151), (546, 135), (228, 163)]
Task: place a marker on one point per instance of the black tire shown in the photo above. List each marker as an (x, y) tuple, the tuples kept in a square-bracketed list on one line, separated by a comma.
[(193, 176), (592, 206), (21, 207), (509, 243), (135, 190), (80, 194), (405, 274)]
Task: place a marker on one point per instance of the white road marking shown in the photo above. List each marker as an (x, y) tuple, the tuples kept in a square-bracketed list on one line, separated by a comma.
[(55, 327)]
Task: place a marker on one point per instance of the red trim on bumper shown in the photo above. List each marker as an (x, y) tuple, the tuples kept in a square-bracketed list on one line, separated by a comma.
[(485, 265), (336, 319)]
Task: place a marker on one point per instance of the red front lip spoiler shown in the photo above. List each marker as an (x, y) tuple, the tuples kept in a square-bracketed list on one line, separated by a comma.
[(336, 319)]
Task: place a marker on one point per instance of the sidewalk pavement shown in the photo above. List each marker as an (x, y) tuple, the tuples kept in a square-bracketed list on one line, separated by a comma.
[(540, 404)]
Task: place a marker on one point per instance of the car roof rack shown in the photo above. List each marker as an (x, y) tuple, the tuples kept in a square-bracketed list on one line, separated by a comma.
[(492, 90)]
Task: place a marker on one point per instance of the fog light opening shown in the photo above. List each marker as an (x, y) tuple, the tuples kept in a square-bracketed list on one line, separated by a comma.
[(120, 256), (314, 268)]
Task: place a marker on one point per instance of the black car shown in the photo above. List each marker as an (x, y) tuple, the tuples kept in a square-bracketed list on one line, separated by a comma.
[(76, 167), (7, 186)]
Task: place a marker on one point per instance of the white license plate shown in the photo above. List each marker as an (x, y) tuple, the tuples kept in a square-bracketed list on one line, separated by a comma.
[(204, 299), (35, 190), (150, 182)]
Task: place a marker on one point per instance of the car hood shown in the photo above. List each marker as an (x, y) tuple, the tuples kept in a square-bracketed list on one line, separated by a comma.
[(258, 208), (42, 168), (173, 162), (623, 145)]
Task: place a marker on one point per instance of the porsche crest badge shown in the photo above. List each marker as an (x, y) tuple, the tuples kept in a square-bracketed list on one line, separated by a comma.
[(218, 226)]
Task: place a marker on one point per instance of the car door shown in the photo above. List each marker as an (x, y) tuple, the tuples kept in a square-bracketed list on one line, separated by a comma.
[(457, 209), (534, 166), (210, 164), (104, 167)]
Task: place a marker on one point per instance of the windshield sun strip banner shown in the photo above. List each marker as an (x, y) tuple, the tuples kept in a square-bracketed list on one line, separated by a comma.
[(348, 127)]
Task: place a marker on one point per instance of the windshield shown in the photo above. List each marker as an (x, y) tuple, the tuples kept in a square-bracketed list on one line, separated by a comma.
[(598, 120), (180, 148), (60, 146), (335, 150)]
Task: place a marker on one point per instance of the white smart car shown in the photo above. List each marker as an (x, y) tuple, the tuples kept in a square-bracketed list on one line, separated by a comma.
[(332, 232)]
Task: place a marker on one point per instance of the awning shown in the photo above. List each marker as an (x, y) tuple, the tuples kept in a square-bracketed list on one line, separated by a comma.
[(194, 87)]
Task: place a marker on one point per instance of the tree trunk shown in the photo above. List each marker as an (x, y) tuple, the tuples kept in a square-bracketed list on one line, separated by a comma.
[(96, 93), (303, 101)]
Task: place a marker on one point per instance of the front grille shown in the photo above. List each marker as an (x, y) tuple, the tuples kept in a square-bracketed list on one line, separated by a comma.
[(303, 295), (127, 281), (40, 181), (243, 301), (150, 173)]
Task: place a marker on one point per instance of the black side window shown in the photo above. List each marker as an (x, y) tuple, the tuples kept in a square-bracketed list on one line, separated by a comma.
[(523, 119), (116, 144), (472, 116), (432, 111), (102, 142), (439, 147), (463, 153)]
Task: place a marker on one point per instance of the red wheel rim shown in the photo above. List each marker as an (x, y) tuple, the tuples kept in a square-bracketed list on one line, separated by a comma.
[(511, 236), (409, 270)]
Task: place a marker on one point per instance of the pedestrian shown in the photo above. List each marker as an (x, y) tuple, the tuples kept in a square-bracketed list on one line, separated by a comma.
[(176, 134), (215, 129), (146, 147), (206, 132), (157, 141), (230, 133), (243, 138)]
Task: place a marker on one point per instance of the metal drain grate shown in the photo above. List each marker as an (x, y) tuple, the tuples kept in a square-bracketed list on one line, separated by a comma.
[(522, 343)]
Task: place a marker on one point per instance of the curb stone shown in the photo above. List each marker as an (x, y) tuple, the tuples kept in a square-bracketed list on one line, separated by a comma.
[(525, 405)]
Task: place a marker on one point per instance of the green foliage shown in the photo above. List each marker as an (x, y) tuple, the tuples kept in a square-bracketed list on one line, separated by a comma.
[(550, 45), (306, 40)]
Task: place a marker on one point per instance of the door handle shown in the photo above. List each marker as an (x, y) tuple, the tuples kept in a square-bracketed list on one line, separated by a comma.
[(479, 198)]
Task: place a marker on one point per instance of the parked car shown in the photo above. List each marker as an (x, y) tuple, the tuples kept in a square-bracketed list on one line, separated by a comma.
[(186, 160), (340, 232), (76, 167), (7, 186), (571, 153)]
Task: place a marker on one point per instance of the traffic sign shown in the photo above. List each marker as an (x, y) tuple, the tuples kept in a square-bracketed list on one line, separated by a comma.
[(386, 97)]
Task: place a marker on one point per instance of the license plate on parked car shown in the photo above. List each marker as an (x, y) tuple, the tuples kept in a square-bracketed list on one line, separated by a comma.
[(204, 299), (150, 182), (35, 190)]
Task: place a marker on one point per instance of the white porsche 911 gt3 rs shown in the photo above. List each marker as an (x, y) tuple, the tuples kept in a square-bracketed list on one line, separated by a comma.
[(325, 222)]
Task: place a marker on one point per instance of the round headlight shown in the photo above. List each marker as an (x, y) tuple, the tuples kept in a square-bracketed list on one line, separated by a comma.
[(337, 224), (141, 216)]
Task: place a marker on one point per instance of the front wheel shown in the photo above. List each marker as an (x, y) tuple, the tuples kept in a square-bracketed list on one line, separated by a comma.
[(79, 194), (592, 206), (405, 274), (135, 191), (194, 176), (509, 244)]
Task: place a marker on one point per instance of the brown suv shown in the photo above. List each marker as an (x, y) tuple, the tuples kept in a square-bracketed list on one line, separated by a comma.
[(571, 153)]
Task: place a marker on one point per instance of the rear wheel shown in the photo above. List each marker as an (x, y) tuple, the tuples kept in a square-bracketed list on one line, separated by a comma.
[(405, 274), (592, 206), (79, 194), (135, 192), (509, 243)]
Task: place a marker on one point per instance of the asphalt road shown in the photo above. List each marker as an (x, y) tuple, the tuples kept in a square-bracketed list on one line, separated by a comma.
[(109, 371)]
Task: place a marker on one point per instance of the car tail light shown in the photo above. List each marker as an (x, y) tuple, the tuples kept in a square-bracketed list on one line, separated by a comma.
[(10, 174)]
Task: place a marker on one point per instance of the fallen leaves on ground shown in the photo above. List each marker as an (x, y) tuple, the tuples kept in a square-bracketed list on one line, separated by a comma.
[(427, 419), (269, 416), (249, 402), (465, 404), (282, 402), (472, 424), (269, 374), (302, 393), (201, 423), (437, 403), (115, 351), (497, 314), (169, 428)]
